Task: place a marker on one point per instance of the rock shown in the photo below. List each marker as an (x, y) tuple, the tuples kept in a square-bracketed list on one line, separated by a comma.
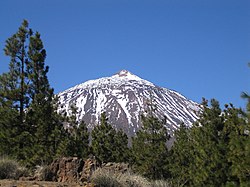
[(76, 170), (66, 169), (89, 167), (116, 167)]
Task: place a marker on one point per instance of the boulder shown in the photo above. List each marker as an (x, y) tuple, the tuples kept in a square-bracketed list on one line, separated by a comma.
[(76, 170), (66, 169)]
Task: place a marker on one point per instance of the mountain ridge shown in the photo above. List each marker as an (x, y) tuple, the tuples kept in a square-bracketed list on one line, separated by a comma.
[(124, 97)]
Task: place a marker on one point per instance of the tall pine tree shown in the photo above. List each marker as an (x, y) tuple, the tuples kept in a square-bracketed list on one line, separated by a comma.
[(107, 144), (215, 151), (76, 139), (238, 132), (181, 155), (15, 48), (13, 90), (25, 92), (149, 148)]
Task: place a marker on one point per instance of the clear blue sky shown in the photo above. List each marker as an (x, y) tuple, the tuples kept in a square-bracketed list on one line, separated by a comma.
[(199, 48)]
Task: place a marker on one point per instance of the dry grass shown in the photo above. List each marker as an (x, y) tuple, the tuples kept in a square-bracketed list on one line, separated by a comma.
[(11, 169), (104, 178), (16, 183), (160, 183)]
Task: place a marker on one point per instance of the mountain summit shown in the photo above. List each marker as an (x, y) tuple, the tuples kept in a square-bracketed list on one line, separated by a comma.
[(125, 97)]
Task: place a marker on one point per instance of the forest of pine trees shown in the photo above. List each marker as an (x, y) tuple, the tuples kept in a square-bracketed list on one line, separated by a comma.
[(215, 151)]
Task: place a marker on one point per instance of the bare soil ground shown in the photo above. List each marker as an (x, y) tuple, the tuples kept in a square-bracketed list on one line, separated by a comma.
[(17, 183)]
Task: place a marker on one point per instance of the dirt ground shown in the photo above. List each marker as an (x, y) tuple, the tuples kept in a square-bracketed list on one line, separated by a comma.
[(17, 183)]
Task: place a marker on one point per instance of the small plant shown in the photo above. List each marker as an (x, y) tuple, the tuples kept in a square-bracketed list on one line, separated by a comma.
[(11, 169), (103, 178), (43, 173), (133, 180)]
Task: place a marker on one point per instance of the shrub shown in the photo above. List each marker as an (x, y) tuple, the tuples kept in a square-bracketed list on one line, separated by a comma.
[(11, 169), (105, 179), (43, 173), (132, 180)]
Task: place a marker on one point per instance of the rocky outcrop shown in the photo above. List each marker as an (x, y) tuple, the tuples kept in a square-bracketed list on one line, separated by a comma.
[(66, 169), (71, 169), (89, 167), (115, 167), (77, 170)]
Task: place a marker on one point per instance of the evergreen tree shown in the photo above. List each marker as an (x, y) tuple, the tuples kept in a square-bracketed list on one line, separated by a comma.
[(107, 144), (13, 92), (25, 91), (16, 77), (122, 151), (41, 111), (209, 143), (76, 142), (82, 140), (238, 128), (214, 152), (209, 164), (8, 130), (149, 148), (181, 155)]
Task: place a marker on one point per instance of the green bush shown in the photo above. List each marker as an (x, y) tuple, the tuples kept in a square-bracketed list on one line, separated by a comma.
[(11, 169)]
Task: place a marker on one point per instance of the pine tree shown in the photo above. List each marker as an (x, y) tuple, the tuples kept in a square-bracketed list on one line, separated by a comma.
[(238, 128), (149, 148), (107, 144), (181, 155), (13, 91), (122, 151), (77, 140), (102, 140), (25, 90), (41, 110), (8, 130), (209, 164), (16, 48), (208, 153), (82, 140)]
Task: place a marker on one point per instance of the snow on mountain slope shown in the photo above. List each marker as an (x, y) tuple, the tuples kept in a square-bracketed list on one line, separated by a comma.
[(124, 97)]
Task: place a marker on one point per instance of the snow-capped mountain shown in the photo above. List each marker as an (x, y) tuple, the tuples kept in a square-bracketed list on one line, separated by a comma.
[(124, 97)]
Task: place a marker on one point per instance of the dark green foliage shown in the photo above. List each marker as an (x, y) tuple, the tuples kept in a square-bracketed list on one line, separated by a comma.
[(107, 144), (149, 149), (16, 78), (30, 122), (209, 147), (181, 156), (76, 139), (13, 94), (215, 151), (121, 152), (238, 131), (8, 130)]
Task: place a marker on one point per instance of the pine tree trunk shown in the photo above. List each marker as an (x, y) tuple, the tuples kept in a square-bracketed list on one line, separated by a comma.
[(22, 87)]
